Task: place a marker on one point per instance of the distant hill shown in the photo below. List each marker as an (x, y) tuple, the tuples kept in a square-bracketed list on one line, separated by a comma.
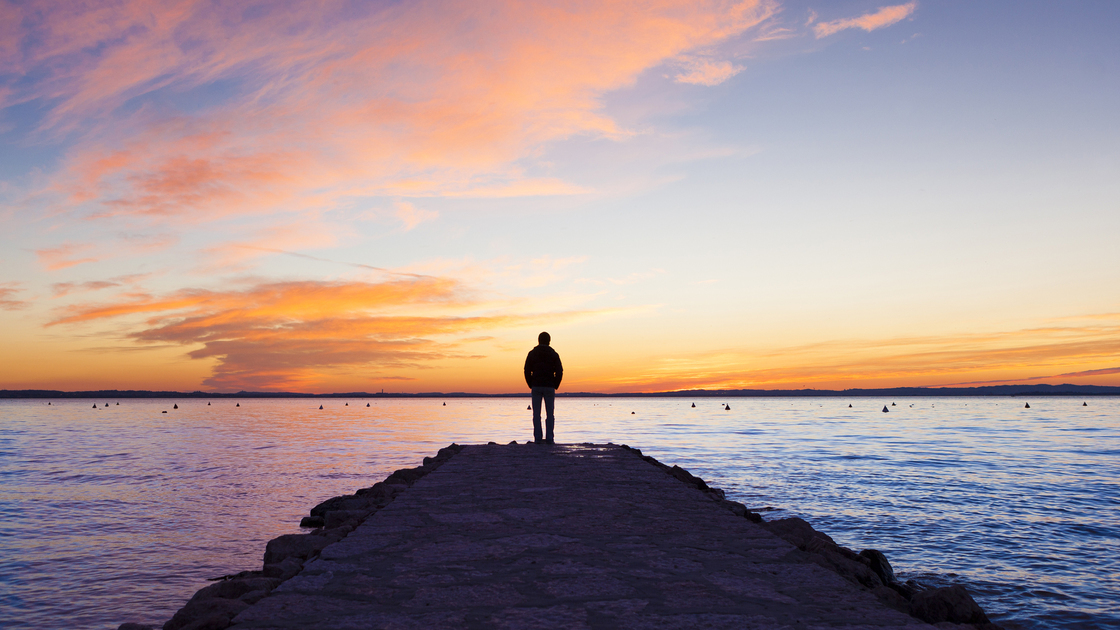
[(987, 390)]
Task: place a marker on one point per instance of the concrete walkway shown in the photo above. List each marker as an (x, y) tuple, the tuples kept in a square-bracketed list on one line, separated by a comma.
[(529, 536)]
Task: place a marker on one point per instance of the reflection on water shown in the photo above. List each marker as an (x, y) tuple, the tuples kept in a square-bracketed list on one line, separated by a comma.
[(121, 513)]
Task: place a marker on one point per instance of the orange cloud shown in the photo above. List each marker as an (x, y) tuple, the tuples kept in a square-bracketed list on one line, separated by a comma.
[(295, 335), (433, 97), (1007, 357), (65, 255), (885, 16), (8, 291)]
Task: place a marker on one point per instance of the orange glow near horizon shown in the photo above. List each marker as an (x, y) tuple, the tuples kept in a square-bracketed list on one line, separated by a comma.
[(701, 194)]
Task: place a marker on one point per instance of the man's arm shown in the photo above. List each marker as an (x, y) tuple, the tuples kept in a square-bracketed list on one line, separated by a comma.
[(559, 371), (528, 370)]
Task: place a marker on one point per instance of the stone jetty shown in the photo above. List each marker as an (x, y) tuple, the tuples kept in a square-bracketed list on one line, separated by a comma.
[(565, 536)]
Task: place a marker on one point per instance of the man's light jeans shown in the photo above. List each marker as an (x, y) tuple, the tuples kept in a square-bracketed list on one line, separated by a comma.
[(548, 394)]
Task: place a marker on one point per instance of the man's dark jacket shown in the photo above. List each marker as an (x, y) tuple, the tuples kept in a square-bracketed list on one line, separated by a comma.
[(543, 367)]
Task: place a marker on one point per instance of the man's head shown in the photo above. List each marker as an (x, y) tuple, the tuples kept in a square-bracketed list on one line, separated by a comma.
[(544, 339)]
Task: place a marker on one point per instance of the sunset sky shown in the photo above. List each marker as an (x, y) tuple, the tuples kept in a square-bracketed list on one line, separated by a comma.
[(341, 196)]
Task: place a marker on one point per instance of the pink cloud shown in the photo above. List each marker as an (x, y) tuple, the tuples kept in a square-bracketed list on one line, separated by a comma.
[(283, 335), (436, 97), (65, 255), (8, 301), (885, 16), (700, 71)]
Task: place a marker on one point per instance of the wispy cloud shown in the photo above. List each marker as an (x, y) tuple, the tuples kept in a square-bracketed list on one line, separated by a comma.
[(65, 255), (1004, 357), (703, 71), (885, 16), (429, 97), (282, 335), (8, 301), (410, 216)]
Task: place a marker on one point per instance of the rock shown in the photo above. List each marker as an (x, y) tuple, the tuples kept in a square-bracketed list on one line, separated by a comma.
[(951, 603), (311, 521), (736, 508), (795, 531), (132, 626), (879, 565), (253, 597), (891, 598), (513, 443), (299, 546), (206, 614), (688, 477), (346, 502), (283, 570), (233, 589), (407, 475), (338, 518)]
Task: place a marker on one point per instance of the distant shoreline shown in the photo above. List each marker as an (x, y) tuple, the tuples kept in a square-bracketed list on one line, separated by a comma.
[(989, 390)]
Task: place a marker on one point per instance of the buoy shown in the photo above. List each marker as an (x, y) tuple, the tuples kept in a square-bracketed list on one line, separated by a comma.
[(95, 406), (694, 405), (320, 406), (48, 403), (444, 404), (1027, 406), (367, 404), (207, 404), (106, 404), (238, 404), (1084, 404), (885, 410), (118, 404), (631, 413), (529, 407), (347, 404), (849, 405), (164, 411), (176, 406), (893, 405), (726, 407)]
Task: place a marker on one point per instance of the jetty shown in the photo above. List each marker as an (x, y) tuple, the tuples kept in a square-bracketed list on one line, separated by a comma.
[(564, 536)]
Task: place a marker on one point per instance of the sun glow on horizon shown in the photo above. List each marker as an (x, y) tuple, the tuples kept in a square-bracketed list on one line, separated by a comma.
[(755, 194)]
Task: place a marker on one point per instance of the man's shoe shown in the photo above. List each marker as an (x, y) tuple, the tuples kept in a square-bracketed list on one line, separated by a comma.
[(549, 442), (538, 441)]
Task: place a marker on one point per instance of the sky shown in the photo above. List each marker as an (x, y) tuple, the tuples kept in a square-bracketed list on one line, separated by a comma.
[(343, 196)]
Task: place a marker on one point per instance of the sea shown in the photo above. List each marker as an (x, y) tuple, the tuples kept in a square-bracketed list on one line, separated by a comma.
[(119, 510)]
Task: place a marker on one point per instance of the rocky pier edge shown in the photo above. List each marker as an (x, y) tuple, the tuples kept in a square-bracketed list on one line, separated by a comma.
[(215, 606)]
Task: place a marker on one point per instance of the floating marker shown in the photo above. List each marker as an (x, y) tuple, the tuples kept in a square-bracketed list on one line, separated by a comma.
[(95, 406), (367, 404), (849, 406), (164, 411), (885, 410), (207, 404), (631, 413), (48, 403), (347, 404), (106, 404), (1084, 404), (238, 404), (694, 405), (893, 405), (529, 407), (1027, 406), (118, 404), (320, 406), (726, 407), (176, 406), (444, 404)]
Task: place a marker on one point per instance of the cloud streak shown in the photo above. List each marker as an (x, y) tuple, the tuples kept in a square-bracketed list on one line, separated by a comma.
[(885, 16), (335, 99), (296, 335)]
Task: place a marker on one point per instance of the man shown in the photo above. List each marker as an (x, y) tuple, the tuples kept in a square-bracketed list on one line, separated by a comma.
[(543, 372)]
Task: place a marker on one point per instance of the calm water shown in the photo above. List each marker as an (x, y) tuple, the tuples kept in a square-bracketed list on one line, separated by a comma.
[(121, 513)]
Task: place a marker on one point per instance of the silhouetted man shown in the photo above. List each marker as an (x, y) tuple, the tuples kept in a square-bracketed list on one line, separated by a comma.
[(543, 372)]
